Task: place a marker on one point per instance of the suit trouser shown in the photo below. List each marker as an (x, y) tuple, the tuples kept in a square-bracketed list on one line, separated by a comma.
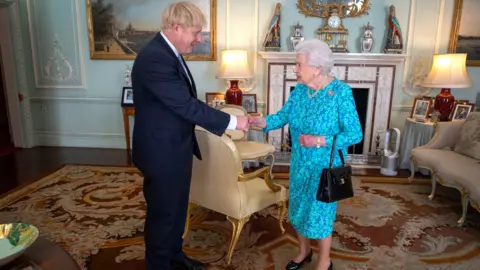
[(167, 196)]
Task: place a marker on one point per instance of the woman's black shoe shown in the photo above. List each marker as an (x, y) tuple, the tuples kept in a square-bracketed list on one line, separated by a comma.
[(331, 266), (294, 265)]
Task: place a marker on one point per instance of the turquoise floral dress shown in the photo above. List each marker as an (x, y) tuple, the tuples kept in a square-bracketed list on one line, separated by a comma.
[(330, 112)]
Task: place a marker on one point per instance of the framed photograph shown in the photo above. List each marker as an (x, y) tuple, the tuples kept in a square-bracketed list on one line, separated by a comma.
[(118, 30), (461, 110), (421, 107), (249, 102), (464, 36), (127, 96), (215, 99)]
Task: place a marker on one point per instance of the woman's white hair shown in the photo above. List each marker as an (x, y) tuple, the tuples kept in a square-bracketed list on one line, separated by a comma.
[(318, 54)]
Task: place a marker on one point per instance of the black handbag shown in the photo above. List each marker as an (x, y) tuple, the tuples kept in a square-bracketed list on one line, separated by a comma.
[(335, 182)]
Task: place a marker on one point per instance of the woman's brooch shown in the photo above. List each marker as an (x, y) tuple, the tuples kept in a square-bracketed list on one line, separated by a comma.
[(330, 92)]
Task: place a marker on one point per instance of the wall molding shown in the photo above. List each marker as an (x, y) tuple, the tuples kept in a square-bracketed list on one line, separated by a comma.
[(227, 24), (78, 99), (438, 33), (256, 30), (79, 134), (41, 68), (260, 104), (80, 139)]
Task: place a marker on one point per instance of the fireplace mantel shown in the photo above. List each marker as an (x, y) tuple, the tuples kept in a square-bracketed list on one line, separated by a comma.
[(344, 58), (372, 72)]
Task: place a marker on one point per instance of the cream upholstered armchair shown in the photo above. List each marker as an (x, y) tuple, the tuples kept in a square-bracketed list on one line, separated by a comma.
[(219, 184), (249, 150), (453, 158)]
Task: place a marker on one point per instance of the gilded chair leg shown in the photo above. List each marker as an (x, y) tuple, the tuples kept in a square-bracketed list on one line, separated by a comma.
[(412, 171), (283, 210), (191, 206), (465, 200), (434, 186), (271, 164), (237, 230)]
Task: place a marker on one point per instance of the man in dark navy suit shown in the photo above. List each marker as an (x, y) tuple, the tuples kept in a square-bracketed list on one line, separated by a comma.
[(166, 113)]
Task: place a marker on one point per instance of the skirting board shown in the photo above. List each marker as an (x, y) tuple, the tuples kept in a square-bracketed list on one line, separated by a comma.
[(90, 140)]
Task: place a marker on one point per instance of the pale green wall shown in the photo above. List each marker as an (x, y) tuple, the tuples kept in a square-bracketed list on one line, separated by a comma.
[(86, 111)]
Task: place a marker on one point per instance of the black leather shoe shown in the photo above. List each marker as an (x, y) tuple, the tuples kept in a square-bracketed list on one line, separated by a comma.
[(331, 266), (292, 265), (188, 264)]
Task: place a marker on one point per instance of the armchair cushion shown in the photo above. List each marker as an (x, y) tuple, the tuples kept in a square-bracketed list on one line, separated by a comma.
[(469, 143), (257, 196), (448, 165), (253, 150), (431, 157)]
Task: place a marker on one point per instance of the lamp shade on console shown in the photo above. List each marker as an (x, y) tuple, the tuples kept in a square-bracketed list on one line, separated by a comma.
[(448, 71), (234, 67)]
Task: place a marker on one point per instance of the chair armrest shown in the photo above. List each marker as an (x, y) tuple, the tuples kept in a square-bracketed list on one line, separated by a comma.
[(446, 135), (266, 176)]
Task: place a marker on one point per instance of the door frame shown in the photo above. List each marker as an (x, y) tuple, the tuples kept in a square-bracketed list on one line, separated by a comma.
[(10, 83)]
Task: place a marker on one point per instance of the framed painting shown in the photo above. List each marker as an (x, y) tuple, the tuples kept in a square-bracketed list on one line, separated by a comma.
[(119, 29), (464, 36)]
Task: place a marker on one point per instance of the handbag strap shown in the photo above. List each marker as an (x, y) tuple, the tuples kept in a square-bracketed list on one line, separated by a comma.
[(333, 151)]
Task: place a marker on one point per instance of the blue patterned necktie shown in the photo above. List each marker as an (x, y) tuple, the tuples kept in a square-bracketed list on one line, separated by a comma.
[(184, 67)]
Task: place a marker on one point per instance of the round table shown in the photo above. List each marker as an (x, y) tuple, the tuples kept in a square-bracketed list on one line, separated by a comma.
[(43, 254), (414, 134)]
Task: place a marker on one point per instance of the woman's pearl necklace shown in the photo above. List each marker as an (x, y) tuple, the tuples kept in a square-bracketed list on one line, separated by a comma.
[(315, 92)]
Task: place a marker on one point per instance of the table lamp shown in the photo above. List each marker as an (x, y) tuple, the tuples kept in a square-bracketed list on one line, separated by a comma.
[(233, 68), (448, 71)]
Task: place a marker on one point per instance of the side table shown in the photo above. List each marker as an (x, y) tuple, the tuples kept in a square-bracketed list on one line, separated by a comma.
[(414, 134), (46, 255)]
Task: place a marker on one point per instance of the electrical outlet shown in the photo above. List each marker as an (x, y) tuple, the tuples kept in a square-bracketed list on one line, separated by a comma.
[(43, 108)]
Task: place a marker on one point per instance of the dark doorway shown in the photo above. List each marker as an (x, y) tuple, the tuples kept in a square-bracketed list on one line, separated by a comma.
[(5, 136)]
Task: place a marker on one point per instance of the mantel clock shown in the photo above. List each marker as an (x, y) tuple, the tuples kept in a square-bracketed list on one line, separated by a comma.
[(333, 32)]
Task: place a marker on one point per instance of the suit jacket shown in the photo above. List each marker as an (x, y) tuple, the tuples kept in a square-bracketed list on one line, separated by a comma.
[(167, 109)]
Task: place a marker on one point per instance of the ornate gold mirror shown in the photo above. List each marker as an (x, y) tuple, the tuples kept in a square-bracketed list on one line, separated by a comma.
[(321, 8)]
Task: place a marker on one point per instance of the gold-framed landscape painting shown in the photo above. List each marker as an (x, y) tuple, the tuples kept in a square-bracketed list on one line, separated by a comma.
[(465, 34), (119, 29)]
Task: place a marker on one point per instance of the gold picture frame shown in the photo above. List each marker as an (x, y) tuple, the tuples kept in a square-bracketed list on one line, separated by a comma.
[(107, 49), (454, 34)]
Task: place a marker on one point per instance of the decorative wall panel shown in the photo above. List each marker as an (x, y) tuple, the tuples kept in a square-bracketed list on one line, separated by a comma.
[(56, 47)]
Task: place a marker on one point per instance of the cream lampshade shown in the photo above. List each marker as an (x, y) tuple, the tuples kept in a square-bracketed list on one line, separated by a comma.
[(448, 71), (234, 66)]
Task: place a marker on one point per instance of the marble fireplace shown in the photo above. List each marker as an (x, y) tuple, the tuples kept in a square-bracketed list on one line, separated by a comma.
[(372, 78)]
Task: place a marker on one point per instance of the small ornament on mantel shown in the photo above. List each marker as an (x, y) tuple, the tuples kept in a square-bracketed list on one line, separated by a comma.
[(272, 39), (297, 36), (394, 42), (367, 39), (128, 75)]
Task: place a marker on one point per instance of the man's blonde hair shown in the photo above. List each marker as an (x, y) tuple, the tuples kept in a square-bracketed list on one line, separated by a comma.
[(185, 14)]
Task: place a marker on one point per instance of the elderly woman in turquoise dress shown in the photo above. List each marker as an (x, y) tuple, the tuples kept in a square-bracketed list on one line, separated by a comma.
[(319, 107)]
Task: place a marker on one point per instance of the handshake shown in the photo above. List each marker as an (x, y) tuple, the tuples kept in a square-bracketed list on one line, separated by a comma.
[(246, 122)]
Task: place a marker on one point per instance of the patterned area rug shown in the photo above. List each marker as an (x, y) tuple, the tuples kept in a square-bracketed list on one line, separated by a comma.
[(97, 215)]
